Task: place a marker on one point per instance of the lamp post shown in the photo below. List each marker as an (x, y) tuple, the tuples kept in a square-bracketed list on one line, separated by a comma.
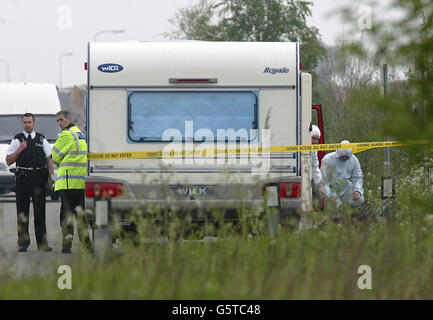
[(60, 66), (387, 180), (7, 69), (106, 31)]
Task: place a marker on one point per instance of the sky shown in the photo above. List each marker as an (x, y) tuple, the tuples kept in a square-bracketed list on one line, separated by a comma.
[(46, 40)]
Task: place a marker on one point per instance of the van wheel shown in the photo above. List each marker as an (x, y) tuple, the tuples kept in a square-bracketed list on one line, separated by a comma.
[(129, 234), (174, 231)]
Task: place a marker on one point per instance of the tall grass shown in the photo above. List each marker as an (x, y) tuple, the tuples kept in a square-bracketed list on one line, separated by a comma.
[(320, 263), (250, 262)]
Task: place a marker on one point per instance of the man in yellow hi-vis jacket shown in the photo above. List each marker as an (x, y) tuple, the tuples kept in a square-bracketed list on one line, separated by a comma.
[(69, 154)]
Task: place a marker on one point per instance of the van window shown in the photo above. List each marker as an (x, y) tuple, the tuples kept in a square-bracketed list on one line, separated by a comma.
[(10, 125), (152, 113)]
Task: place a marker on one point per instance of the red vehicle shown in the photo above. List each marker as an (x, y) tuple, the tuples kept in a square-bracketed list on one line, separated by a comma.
[(317, 119)]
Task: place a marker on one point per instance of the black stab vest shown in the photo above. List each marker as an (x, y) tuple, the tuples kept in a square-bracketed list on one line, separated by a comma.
[(33, 156)]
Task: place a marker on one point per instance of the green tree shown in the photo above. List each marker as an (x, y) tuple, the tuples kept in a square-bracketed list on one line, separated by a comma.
[(408, 44), (194, 23), (352, 79), (251, 20)]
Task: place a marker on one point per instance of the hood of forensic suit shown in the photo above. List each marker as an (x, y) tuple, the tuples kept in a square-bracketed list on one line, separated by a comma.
[(344, 152), (315, 131)]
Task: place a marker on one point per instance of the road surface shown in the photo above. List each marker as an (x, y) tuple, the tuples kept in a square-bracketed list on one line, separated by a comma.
[(32, 261)]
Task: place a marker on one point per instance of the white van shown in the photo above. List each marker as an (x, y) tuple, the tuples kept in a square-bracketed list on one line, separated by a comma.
[(17, 98), (169, 96)]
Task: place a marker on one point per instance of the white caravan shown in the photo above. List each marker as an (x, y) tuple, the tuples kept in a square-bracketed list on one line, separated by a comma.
[(17, 98), (179, 96)]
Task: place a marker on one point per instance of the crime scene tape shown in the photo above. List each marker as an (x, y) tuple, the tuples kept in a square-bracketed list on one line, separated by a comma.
[(198, 152)]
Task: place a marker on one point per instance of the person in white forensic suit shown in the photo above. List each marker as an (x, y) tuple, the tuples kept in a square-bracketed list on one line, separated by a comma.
[(342, 177), (317, 174)]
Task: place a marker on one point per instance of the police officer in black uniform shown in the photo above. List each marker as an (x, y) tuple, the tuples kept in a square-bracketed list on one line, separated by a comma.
[(32, 154)]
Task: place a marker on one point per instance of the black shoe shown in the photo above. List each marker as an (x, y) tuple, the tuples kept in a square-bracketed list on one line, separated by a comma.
[(45, 248), (88, 246), (22, 249), (66, 250)]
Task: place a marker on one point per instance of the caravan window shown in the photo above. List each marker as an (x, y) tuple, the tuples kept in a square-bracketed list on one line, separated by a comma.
[(150, 114)]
